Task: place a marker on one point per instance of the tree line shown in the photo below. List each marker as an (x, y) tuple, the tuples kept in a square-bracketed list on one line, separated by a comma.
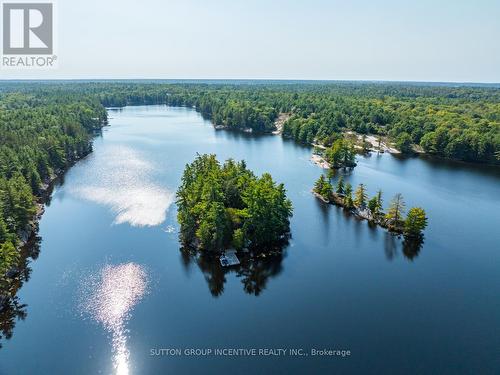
[(41, 135), (460, 123), (454, 121)]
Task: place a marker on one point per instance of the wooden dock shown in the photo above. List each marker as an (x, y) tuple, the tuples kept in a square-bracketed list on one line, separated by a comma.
[(229, 258)]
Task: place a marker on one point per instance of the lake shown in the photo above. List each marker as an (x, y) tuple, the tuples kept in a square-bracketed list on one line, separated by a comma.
[(111, 291)]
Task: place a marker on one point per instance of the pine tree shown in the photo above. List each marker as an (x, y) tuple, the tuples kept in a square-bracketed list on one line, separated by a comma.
[(323, 187), (3, 230), (360, 196), (372, 206), (9, 256), (396, 210), (341, 154), (379, 200), (319, 185), (221, 206), (348, 203), (415, 222), (340, 186), (213, 227), (327, 190), (375, 204)]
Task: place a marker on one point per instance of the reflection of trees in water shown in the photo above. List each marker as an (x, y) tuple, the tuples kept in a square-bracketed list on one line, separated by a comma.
[(324, 209), (11, 309), (410, 246), (254, 270), (390, 246)]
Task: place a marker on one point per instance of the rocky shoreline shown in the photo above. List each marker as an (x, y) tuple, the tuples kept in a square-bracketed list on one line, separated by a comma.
[(362, 214)]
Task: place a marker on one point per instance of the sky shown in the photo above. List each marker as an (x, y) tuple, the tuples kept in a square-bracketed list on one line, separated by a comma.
[(439, 40)]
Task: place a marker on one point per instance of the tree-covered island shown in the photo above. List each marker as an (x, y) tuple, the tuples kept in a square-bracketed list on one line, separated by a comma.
[(372, 209), (227, 206)]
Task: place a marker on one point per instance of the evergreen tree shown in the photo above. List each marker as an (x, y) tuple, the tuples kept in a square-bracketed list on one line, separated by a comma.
[(395, 213), (327, 190), (267, 211), (360, 196), (415, 222), (340, 189), (379, 201), (319, 185), (375, 204), (4, 232), (348, 203), (9, 256), (341, 154), (222, 206), (323, 187), (213, 227)]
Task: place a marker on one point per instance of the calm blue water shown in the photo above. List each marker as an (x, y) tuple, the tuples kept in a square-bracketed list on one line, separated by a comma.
[(111, 284)]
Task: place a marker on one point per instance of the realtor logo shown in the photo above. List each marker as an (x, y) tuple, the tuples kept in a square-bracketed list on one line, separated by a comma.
[(28, 36), (28, 29)]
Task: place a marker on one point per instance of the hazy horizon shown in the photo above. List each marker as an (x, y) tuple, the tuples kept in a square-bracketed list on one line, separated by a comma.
[(424, 42), (250, 80)]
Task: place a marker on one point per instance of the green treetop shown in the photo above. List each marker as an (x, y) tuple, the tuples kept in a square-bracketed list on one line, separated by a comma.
[(404, 143), (372, 206), (360, 196), (379, 200), (267, 211), (375, 204), (327, 190), (415, 222), (319, 184), (341, 154), (323, 187), (9, 256), (348, 203), (340, 186), (395, 213), (223, 206)]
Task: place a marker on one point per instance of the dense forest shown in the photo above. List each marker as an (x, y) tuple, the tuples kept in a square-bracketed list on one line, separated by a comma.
[(456, 122), (222, 206), (40, 136), (46, 126), (453, 121)]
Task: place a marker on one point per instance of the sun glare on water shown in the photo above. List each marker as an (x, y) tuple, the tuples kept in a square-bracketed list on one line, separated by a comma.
[(121, 178), (109, 299)]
